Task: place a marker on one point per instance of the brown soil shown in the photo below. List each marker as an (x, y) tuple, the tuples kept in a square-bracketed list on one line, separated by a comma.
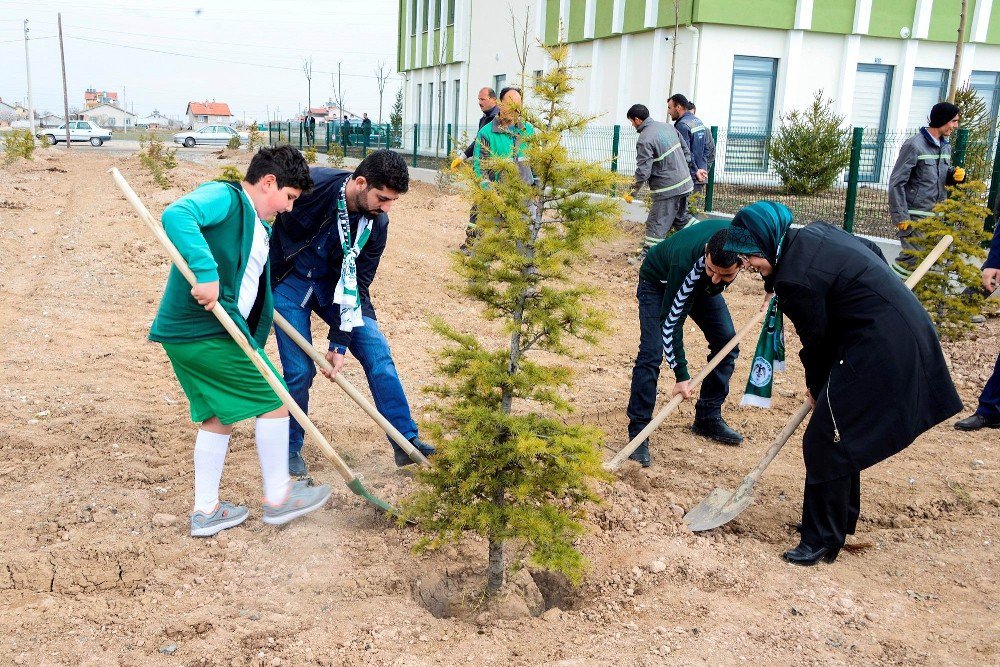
[(97, 568)]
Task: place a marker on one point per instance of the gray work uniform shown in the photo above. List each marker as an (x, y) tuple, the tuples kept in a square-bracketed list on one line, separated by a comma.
[(663, 162)]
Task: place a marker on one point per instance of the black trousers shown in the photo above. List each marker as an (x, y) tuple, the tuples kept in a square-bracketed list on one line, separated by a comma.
[(830, 511)]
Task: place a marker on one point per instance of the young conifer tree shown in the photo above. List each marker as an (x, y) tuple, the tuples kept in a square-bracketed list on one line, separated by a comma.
[(942, 290), (508, 468)]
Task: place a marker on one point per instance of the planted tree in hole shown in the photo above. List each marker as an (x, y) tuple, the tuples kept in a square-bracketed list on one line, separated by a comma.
[(255, 138), (234, 142), (508, 468), (309, 153), (396, 121), (18, 143), (810, 148), (942, 290), (230, 172)]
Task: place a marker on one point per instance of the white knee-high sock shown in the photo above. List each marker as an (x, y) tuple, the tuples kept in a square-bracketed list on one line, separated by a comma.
[(209, 457), (272, 449)]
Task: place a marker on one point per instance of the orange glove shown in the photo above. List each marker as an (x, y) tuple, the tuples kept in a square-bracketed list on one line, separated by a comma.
[(959, 175), (628, 199), (456, 163)]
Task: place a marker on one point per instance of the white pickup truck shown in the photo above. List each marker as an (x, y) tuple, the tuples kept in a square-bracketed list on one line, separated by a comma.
[(79, 130)]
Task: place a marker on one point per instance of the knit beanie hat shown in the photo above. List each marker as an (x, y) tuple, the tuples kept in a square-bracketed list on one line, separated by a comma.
[(942, 113)]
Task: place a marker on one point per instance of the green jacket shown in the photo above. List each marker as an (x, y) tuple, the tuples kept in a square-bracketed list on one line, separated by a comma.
[(673, 263), (212, 228), (494, 141)]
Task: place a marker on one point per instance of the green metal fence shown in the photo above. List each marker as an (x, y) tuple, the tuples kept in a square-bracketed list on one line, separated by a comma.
[(743, 171)]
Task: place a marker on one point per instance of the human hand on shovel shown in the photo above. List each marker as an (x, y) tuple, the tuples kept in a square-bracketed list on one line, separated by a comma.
[(336, 360), (682, 389), (206, 294)]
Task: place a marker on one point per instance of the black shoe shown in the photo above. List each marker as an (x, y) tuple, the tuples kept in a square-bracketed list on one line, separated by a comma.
[(297, 466), (976, 422), (717, 429), (807, 555), (641, 455), (403, 459)]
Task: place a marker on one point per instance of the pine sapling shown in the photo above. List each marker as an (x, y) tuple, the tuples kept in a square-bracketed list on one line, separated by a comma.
[(508, 467), (942, 290)]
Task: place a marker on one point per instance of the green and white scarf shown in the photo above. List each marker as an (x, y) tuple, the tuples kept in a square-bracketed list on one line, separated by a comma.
[(768, 359), (346, 293)]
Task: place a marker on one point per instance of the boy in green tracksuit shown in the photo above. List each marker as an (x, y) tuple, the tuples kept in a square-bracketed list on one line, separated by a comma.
[(684, 275), (220, 231)]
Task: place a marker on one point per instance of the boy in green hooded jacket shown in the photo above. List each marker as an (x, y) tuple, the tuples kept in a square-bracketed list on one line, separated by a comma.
[(220, 232)]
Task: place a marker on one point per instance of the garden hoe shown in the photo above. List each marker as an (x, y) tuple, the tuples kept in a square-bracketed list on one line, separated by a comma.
[(354, 482), (620, 457), (342, 382), (722, 506)]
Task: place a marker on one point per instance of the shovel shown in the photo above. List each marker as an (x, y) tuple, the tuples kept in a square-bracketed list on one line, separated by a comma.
[(620, 457), (353, 481), (342, 382), (722, 506)]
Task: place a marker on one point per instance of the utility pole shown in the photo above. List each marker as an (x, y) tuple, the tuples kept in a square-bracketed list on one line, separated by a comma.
[(27, 69), (62, 57)]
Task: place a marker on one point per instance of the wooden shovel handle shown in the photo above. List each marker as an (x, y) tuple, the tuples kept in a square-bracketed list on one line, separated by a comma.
[(620, 457), (342, 382)]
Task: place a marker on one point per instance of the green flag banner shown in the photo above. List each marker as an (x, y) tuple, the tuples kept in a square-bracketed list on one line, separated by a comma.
[(768, 359)]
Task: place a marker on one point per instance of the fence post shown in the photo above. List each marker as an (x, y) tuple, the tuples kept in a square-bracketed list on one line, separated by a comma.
[(327, 126), (449, 140), (416, 135), (270, 141), (852, 179), (289, 133), (961, 145), (615, 140), (364, 146), (991, 200), (300, 135), (710, 186)]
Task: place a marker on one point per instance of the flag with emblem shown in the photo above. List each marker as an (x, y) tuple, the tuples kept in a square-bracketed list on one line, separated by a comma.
[(768, 359)]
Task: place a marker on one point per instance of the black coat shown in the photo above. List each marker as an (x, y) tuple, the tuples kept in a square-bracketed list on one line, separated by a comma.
[(871, 355)]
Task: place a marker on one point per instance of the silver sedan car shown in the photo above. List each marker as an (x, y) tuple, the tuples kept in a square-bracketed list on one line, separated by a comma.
[(210, 135)]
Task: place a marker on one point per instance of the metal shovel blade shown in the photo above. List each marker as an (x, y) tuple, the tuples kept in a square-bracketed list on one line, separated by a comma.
[(720, 507)]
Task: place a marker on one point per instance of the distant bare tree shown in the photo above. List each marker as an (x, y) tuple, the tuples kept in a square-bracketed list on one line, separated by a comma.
[(957, 69), (338, 90), (382, 74), (307, 67), (521, 45)]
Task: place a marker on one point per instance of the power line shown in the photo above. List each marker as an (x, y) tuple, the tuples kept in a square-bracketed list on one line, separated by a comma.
[(202, 57), (255, 46), (30, 39)]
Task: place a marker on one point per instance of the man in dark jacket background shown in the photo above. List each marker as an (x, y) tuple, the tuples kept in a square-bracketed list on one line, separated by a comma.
[(696, 135), (324, 256), (987, 415)]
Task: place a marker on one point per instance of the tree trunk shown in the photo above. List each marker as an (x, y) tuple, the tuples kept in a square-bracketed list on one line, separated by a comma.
[(494, 577), (956, 70)]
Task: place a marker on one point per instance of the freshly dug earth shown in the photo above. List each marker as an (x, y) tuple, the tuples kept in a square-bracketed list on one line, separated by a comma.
[(97, 567)]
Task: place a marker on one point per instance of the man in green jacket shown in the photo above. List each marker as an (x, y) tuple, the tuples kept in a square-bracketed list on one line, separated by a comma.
[(220, 231), (684, 275)]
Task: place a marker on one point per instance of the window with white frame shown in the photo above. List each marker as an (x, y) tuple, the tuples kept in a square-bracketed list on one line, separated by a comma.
[(930, 86), (751, 107)]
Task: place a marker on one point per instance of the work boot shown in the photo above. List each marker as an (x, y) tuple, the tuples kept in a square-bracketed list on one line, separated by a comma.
[(471, 234), (717, 429), (641, 455), (403, 459), (976, 422), (297, 466)]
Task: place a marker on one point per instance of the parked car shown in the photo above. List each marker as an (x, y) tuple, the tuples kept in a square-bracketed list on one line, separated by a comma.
[(210, 135), (79, 130)]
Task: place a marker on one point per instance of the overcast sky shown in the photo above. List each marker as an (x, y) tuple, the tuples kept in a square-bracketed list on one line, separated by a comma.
[(163, 54)]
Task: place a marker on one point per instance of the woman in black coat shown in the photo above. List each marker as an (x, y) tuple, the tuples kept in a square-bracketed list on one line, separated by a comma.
[(874, 369)]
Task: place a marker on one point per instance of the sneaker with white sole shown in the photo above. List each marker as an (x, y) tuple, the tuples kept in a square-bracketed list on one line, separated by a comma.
[(226, 515), (302, 499)]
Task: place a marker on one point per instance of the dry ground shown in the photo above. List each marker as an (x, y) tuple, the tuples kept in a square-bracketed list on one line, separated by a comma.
[(95, 443)]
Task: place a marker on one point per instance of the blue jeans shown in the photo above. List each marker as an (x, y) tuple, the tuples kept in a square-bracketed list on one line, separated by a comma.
[(989, 401), (712, 317), (368, 346)]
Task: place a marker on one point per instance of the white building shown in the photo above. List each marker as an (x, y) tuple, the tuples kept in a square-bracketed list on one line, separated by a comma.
[(154, 121), (744, 62), (110, 116)]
